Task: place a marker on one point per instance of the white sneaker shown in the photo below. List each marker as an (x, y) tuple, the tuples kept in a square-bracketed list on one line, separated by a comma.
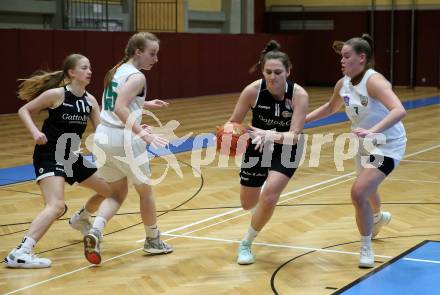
[(245, 255), (80, 224), (366, 259), (385, 218), (156, 246), (20, 259)]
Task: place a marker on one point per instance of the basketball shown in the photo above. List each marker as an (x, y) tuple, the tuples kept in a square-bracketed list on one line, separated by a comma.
[(232, 139)]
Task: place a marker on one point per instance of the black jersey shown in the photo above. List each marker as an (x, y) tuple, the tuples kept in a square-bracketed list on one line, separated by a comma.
[(270, 113), (70, 116)]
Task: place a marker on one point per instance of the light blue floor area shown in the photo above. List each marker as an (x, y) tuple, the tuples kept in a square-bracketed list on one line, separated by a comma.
[(26, 172), (404, 276)]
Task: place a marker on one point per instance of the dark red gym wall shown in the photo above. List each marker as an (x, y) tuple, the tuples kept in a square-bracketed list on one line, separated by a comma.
[(322, 67), (201, 64), (428, 46), (189, 64)]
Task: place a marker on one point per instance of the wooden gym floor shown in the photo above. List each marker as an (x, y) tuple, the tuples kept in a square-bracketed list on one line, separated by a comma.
[(310, 246)]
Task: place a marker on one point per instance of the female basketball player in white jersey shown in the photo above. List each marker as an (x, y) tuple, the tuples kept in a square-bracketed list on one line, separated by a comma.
[(278, 109), (373, 108), (63, 93), (122, 103)]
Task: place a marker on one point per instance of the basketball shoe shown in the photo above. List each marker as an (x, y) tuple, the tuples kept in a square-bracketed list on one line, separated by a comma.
[(156, 246), (245, 255), (20, 258), (385, 218), (92, 250)]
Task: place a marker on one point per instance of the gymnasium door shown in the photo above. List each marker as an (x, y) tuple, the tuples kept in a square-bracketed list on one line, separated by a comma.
[(399, 44)]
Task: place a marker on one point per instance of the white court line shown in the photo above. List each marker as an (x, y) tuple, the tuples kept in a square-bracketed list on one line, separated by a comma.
[(240, 209), (422, 260), (70, 272), (296, 247), (421, 161), (247, 212), (272, 245), (413, 180), (198, 222), (422, 151)]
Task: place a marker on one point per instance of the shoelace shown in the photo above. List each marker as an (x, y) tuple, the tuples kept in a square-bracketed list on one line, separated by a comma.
[(162, 245), (245, 250), (365, 251), (33, 256), (156, 242)]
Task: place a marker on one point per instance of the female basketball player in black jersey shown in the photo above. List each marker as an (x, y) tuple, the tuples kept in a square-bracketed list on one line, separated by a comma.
[(278, 111), (56, 155)]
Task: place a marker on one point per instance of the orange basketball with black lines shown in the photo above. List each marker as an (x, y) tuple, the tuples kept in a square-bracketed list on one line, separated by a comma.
[(232, 139)]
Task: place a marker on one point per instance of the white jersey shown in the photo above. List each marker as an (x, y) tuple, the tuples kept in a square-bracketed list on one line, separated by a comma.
[(112, 168), (365, 112), (108, 115)]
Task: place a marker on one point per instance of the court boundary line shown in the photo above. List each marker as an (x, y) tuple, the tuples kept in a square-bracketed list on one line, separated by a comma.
[(414, 180), (202, 221), (381, 267), (421, 161), (248, 212), (305, 248)]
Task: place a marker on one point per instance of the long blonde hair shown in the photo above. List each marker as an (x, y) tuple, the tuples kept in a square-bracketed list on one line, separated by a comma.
[(41, 81), (137, 41)]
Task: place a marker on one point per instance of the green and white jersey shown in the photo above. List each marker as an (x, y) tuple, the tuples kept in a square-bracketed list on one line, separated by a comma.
[(108, 115)]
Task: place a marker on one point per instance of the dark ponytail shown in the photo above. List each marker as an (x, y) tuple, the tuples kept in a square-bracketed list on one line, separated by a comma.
[(272, 45), (369, 39), (271, 51)]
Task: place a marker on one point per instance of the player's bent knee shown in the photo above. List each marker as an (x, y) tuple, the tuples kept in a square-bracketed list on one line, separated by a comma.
[(64, 211), (358, 195), (58, 209), (247, 205), (269, 200)]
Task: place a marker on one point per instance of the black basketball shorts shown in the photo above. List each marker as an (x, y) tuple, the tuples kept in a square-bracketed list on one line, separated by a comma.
[(256, 166), (45, 165)]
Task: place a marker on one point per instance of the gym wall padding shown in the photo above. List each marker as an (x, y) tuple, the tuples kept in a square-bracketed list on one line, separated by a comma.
[(189, 64)]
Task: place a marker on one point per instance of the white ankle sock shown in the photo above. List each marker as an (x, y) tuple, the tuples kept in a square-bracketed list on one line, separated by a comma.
[(27, 244), (377, 217), (151, 230), (250, 235), (99, 223), (366, 241)]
